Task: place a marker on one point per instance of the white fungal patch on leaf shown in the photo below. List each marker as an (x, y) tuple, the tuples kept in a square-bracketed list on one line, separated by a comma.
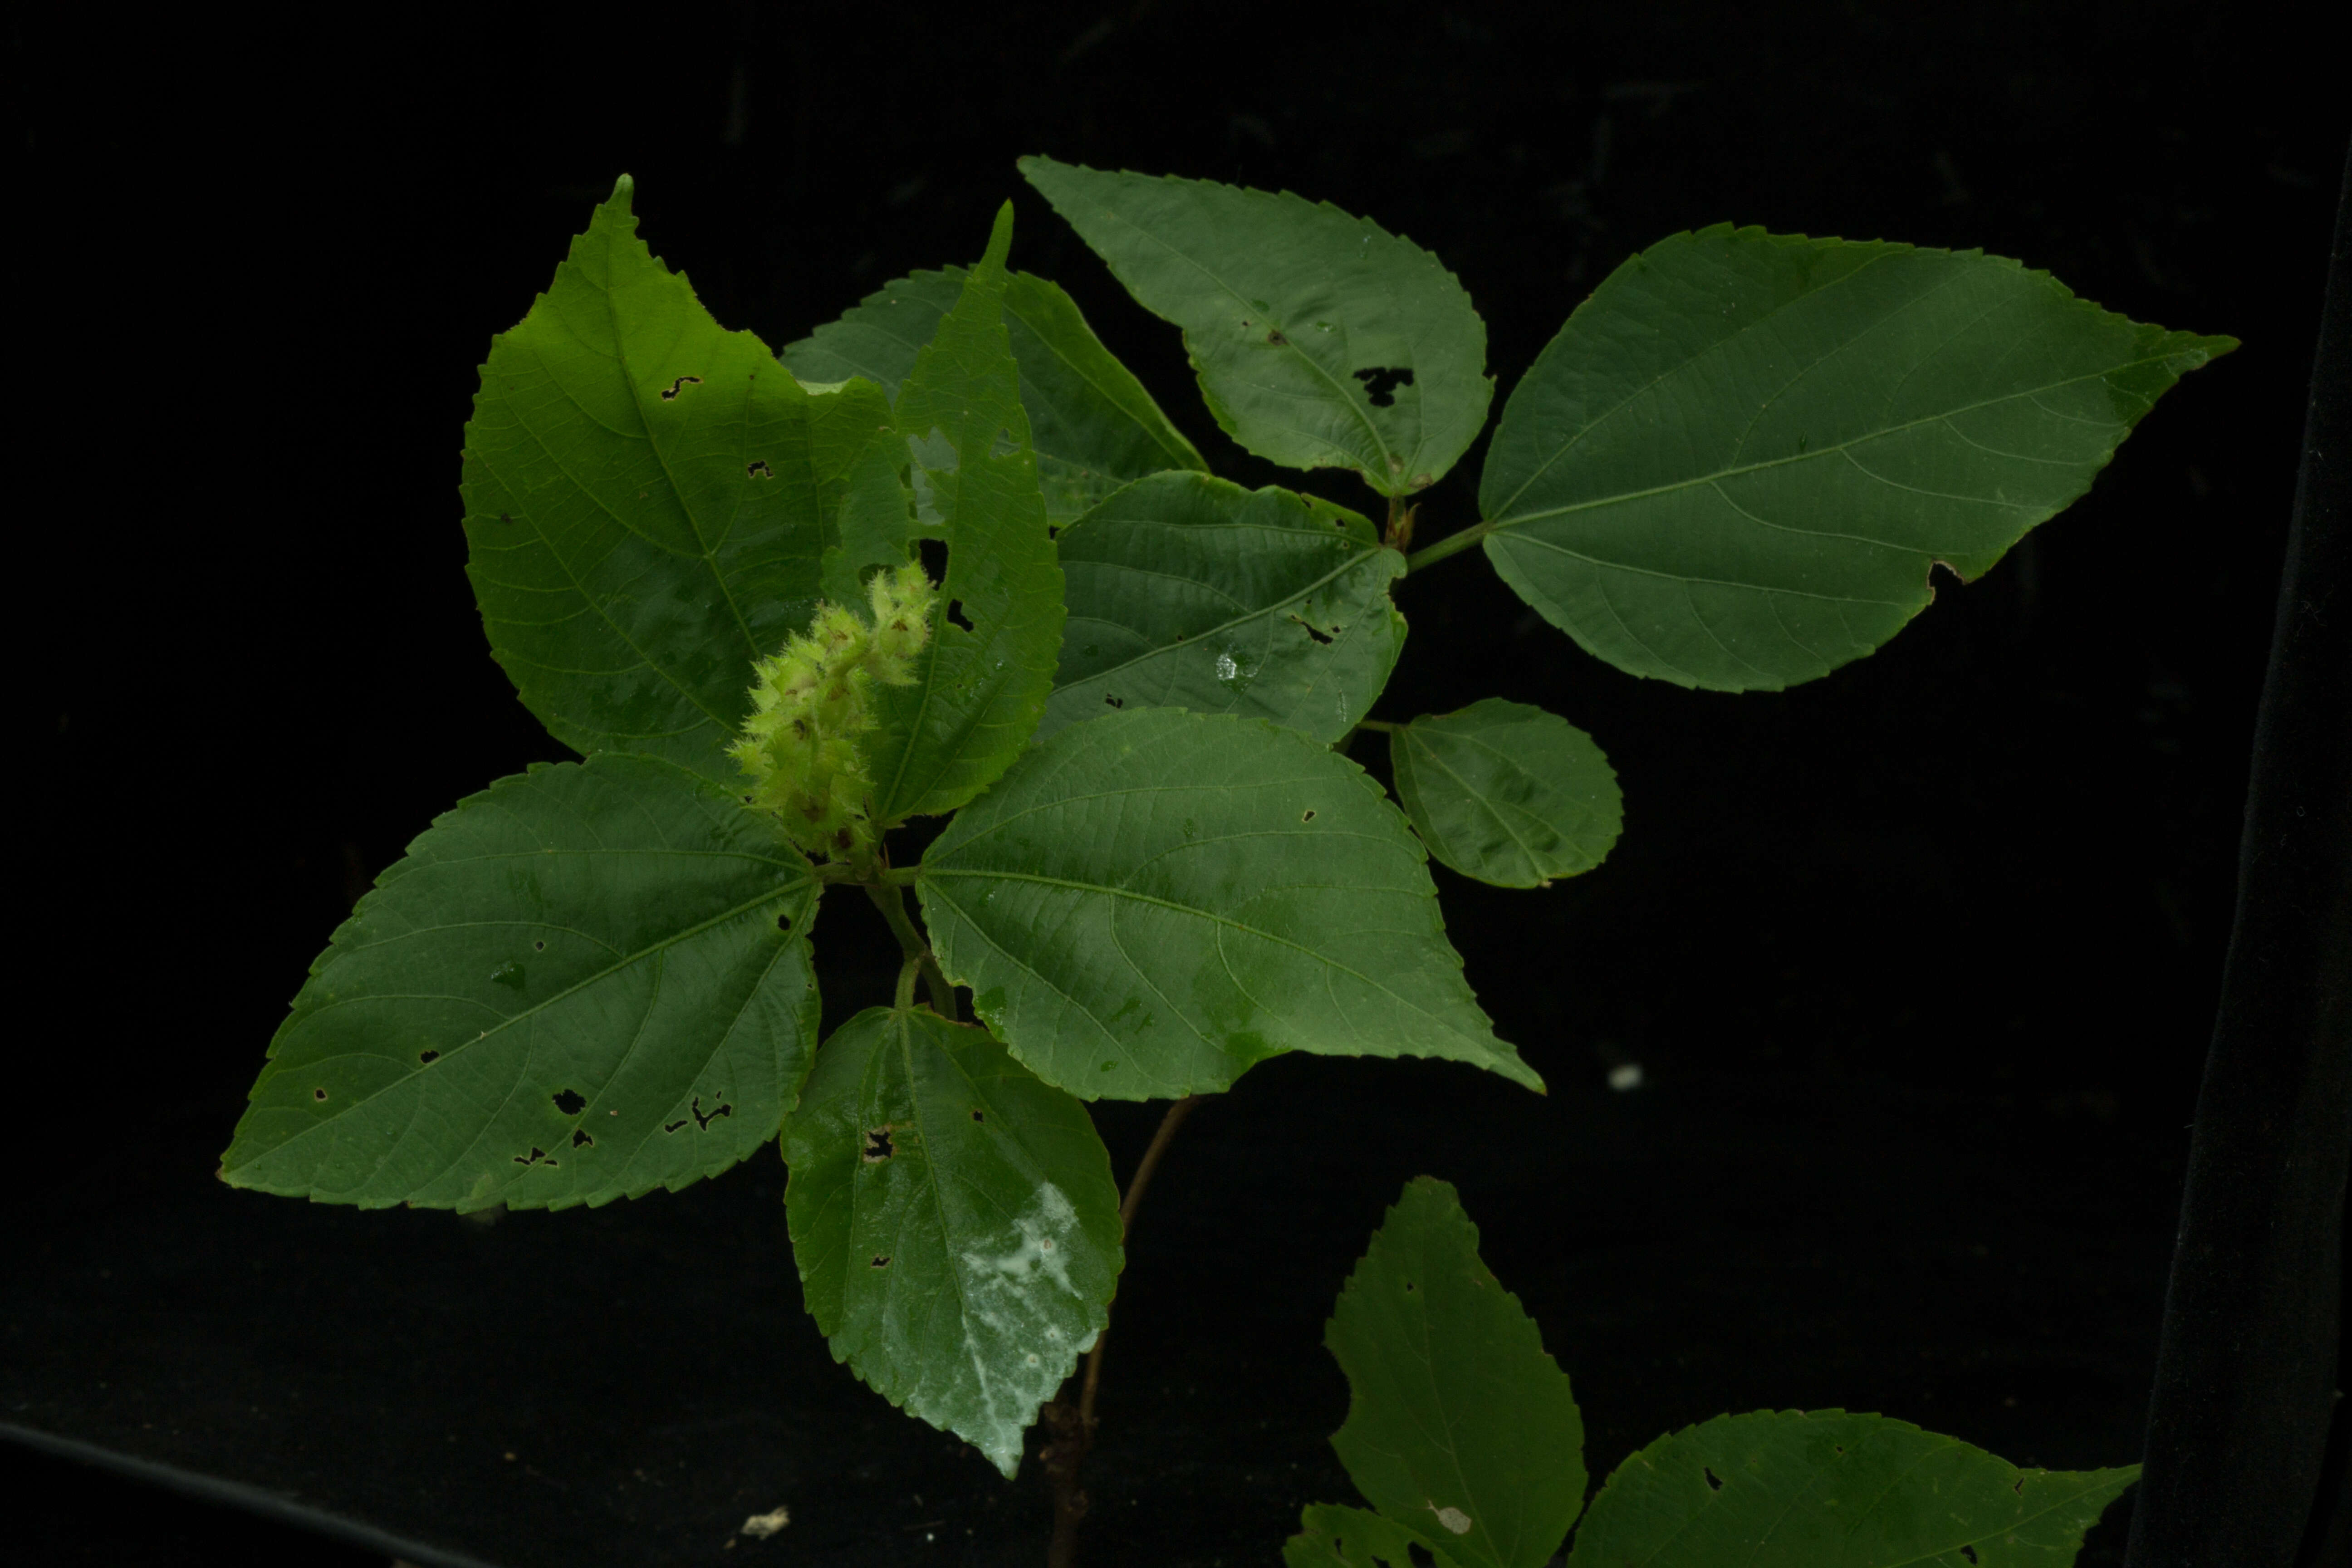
[(1017, 1293), (1453, 1520)]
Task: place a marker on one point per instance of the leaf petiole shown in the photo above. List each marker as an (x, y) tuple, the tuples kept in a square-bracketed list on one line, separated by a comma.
[(892, 902), (1452, 544)]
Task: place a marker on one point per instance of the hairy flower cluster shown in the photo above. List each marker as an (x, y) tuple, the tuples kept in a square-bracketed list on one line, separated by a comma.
[(803, 744)]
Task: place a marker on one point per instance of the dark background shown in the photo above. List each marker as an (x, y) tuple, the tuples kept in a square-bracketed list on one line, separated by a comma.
[(1919, 959)]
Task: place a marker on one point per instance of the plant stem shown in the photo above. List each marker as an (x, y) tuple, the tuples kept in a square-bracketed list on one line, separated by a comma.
[(1452, 544), (906, 994), (1382, 725), (892, 902), (1074, 1431)]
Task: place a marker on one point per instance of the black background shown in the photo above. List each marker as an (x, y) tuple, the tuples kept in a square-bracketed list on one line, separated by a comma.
[(1918, 960)]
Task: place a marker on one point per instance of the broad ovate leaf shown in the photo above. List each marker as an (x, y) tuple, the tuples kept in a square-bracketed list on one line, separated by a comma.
[(1190, 592), (1321, 340), (1334, 1536), (647, 499), (589, 980), (982, 682), (1824, 1488), (1736, 463), (1152, 902), (954, 1222), (1505, 793), (1460, 1426), (1093, 426)]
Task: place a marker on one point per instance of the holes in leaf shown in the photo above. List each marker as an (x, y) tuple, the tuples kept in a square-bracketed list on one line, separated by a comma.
[(877, 1146), (1308, 816), (1314, 631), (505, 517), (1380, 383), (934, 556), (579, 1139), (881, 1261), (536, 1157), (976, 1116), (318, 1094), (702, 1122), (758, 469), (427, 1057), (1114, 702), (1276, 337), (1970, 1552), (1410, 1287), (1422, 1557), (672, 1126), (683, 381), (1713, 1481), (783, 923), (539, 947), (955, 613), (571, 1101)]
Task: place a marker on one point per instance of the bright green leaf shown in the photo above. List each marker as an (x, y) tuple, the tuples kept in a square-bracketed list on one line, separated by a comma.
[(1505, 793), (646, 499), (954, 1221), (585, 982), (1151, 901), (1093, 425), (981, 683), (1460, 1428), (1321, 340), (1189, 591), (1737, 461), (1339, 1537), (1827, 1490)]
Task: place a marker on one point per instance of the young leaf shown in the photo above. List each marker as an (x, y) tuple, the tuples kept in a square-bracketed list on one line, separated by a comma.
[(1827, 1490), (1737, 461), (589, 980), (1460, 1428), (1152, 902), (1321, 340), (1505, 793), (646, 497), (1189, 591), (1334, 1536), (1093, 425), (982, 682), (954, 1221)]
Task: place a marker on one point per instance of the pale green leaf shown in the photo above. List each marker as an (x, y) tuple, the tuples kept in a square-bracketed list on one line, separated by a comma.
[(1827, 1490), (1505, 793), (981, 683), (1189, 591), (646, 499), (1093, 425), (1737, 461), (1321, 340), (1460, 1428), (1151, 901), (585, 982), (1335, 1536), (954, 1222)]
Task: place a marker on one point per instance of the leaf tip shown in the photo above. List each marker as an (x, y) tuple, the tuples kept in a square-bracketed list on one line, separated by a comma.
[(624, 190)]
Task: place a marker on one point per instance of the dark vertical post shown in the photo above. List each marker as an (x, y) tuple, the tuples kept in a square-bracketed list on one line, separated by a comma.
[(2245, 1382)]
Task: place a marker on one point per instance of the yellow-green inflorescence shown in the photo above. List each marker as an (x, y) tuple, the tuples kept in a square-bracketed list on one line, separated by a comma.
[(804, 744)]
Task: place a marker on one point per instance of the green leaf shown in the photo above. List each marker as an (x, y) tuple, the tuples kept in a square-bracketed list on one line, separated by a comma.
[(1337, 1537), (1460, 1428), (954, 1221), (1153, 900), (1505, 793), (646, 499), (1737, 461), (1189, 591), (1093, 425), (585, 982), (1827, 1490), (982, 682), (1321, 340)]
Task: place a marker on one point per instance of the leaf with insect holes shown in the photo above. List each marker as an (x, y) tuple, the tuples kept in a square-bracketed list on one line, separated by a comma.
[(1735, 464), (1152, 902), (1823, 1489), (980, 682), (589, 980), (1460, 1428), (954, 1222), (648, 499), (1190, 592), (1320, 340), (1092, 424), (1505, 793), (1333, 1536)]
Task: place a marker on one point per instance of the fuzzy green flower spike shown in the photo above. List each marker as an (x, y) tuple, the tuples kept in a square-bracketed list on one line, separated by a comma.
[(810, 711)]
